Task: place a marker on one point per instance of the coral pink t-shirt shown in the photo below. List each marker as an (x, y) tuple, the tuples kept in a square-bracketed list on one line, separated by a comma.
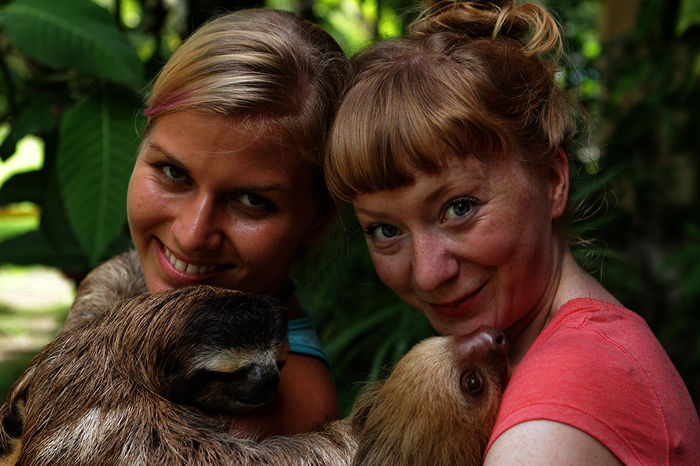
[(599, 368)]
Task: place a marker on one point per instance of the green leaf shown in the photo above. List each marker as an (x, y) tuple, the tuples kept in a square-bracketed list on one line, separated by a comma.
[(98, 141), (34, 247), (22, 187), (72, 34)]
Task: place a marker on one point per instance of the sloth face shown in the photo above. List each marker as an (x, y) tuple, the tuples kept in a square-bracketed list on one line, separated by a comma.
[(229, 350)]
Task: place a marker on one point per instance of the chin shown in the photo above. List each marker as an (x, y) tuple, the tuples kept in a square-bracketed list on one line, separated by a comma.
[(461, 327)]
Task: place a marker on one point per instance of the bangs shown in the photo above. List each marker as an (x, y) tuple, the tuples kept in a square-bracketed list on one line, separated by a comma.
[(398, 119)]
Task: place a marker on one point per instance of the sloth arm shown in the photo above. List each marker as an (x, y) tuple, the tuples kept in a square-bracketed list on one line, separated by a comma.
[(306, 398)]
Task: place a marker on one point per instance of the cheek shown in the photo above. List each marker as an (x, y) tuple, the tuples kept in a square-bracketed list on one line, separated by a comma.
[(268, 245), (143, 204), (493, 244), (135, 203), (393, 271), (512, 234)]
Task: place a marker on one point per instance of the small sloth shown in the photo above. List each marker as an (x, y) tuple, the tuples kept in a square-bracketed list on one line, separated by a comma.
[(439, 404), (146, 381)]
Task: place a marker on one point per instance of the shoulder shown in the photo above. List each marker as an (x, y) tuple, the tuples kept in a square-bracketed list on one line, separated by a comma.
[(599, 371), (531, 443)]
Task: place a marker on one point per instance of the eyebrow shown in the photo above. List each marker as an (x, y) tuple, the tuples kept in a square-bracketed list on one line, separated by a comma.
[(435, 195)]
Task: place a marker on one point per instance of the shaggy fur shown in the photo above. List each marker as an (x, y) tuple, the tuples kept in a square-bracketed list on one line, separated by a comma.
[(119, 278), (103, 388), (103, 391)]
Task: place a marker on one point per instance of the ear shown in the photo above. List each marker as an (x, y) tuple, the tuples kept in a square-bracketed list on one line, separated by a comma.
[(559, 184)]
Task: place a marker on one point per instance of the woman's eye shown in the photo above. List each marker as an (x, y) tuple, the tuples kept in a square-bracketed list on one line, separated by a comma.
[(253, 200), (382, 232), (458, 208), (173, 173)]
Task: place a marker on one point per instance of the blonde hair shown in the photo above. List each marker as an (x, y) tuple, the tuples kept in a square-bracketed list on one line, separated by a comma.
[(471, 78), (265, 67)]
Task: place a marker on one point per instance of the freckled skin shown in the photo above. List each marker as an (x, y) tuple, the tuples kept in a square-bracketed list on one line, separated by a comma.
[(495, 265), (500, 262)]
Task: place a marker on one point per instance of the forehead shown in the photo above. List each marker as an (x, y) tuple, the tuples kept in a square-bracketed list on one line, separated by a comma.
[(225, 146), (455, 173)]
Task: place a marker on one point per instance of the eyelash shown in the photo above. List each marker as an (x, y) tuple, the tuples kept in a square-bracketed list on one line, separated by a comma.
[(371, 230), (267, 205), (161, 167), (473, 203)]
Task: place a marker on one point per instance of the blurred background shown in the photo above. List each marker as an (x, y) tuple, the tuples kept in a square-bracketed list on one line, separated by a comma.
[(73, 76)]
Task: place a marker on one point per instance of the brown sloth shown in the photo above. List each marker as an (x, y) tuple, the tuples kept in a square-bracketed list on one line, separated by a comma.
[(146, 381)]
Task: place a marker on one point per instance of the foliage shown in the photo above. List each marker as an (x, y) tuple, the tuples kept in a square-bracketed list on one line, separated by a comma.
[(73, 78), (647, 132)]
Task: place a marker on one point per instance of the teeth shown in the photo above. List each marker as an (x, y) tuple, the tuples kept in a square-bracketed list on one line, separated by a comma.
[(185, 267)]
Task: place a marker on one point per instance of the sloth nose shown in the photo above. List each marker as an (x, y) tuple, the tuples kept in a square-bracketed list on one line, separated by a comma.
[(494, 338), (484, 340), (260, 384)]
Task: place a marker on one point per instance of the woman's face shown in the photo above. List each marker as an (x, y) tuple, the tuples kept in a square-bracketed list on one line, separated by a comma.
[(471, 245), (211, 201)]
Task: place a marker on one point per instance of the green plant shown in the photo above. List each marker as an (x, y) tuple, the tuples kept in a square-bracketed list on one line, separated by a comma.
[(72, 77)]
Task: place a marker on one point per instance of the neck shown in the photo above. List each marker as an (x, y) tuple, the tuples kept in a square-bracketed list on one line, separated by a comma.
[(523, 333), (569, 281)]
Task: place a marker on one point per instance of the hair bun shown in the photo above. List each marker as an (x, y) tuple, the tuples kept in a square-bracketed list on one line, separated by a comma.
[(528, 23), (474, 19)]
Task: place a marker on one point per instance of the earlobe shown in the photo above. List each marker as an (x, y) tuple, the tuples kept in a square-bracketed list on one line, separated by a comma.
[(559, 187)]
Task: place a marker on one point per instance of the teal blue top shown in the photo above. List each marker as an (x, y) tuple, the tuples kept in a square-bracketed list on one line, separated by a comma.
[(303, 338)]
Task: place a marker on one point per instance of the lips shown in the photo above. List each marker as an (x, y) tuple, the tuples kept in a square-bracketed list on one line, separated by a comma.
[(190, 269), (459, 306)]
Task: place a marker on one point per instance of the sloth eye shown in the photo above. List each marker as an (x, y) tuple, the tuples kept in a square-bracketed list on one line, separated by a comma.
[(472, 383)]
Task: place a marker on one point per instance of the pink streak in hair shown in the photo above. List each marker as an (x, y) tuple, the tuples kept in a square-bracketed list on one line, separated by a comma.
[(154, 109)]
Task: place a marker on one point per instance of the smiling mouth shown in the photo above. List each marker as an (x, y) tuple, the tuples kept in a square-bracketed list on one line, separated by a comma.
[(456, 307), (190, 269)]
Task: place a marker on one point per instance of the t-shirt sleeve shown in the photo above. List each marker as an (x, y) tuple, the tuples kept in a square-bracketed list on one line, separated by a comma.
[(585, 380), (303, 338)]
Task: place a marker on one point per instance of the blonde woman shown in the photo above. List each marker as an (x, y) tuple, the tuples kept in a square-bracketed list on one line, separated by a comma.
[(227, 190)]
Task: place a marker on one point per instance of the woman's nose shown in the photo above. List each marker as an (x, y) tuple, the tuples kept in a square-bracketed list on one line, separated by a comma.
[(433, 263), (196, 227)]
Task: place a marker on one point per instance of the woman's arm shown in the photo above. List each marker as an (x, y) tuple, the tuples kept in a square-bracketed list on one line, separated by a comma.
[(547, 443), (306, 398)]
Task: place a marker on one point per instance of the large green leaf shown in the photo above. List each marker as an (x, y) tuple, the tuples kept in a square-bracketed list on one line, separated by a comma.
[(98, 141), (63, 252), (72, 34)]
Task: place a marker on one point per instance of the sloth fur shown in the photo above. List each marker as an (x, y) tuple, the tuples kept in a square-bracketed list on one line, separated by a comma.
[(129, 385)]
